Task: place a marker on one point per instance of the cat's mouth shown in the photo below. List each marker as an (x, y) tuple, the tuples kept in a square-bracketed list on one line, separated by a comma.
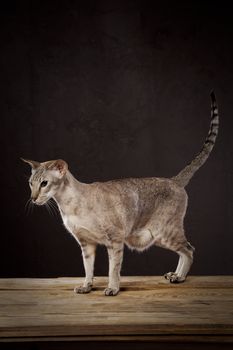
[(39, 202)]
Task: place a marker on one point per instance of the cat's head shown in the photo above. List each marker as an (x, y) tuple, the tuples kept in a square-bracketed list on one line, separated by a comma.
[(45, 179)]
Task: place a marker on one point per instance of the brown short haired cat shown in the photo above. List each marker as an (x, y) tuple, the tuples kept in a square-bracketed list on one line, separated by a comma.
[(137, 212)]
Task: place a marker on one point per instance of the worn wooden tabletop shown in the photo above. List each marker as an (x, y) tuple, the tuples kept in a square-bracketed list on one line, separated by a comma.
[(146, 308)]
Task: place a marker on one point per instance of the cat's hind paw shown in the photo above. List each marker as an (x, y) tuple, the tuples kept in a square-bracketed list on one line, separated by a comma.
[(111, 291), (174, 278), (168, 275), (83, 289)]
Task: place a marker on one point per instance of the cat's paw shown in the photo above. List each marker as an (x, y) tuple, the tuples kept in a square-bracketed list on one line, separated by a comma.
[(174, 278), (83, 289), (169, 275), (111, 291), (177, 279)]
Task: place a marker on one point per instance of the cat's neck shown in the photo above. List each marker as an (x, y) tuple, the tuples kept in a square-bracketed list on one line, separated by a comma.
[(69, 192)]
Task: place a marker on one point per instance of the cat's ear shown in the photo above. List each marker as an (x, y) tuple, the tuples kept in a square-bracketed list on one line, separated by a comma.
[(59, 167), (34, 165)]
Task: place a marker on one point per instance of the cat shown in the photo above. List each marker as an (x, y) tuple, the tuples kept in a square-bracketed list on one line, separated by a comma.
[(138, 212)]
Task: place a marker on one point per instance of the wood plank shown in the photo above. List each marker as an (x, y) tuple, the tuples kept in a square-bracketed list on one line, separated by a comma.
[(127, 339), (146, 306)]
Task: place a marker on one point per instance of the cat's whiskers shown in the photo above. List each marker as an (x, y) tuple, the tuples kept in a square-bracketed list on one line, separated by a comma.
[(52, 209), (31, 206), (28, 207), (53, 204), (49, 209)]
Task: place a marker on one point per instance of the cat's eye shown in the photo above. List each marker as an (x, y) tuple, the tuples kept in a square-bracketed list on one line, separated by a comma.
[(43, 183)]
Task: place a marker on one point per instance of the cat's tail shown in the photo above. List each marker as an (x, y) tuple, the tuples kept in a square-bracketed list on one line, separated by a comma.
[(187, 173)]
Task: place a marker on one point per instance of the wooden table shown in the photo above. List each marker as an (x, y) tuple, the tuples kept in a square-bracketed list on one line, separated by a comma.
[(148, 310)]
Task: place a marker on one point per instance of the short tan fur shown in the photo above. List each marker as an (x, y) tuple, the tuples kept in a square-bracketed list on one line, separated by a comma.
[(138, 212)]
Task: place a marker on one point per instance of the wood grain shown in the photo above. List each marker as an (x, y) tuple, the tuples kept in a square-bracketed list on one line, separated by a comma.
[(146, 308)]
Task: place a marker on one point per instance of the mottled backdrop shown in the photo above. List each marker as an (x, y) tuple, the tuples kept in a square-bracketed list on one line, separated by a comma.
[(117, 89)]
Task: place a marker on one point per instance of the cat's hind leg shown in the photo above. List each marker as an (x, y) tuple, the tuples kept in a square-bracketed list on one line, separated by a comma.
[(185, 252)]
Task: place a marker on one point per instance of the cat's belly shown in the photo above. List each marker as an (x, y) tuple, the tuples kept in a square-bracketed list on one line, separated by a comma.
[(140, 239)]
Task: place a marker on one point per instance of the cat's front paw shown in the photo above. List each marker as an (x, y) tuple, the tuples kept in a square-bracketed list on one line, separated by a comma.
[(111, 291), (83, 289)]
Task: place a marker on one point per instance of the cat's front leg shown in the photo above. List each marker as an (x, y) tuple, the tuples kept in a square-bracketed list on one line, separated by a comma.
[(88, 253), (115, 253)]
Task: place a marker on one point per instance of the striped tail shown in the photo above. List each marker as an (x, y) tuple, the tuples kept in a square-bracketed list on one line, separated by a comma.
[(187, 173)]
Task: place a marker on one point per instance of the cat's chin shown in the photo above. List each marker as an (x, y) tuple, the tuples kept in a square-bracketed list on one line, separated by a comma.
[(40, 203)]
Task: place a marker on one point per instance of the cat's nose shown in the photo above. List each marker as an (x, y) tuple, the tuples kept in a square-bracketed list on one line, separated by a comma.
[(33, 199), (34, 196)]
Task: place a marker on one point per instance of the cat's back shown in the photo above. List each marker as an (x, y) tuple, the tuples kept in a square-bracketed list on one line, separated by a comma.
[(144, 188)]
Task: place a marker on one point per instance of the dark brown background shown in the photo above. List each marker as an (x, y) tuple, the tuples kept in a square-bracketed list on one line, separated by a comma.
[(117, 89)]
